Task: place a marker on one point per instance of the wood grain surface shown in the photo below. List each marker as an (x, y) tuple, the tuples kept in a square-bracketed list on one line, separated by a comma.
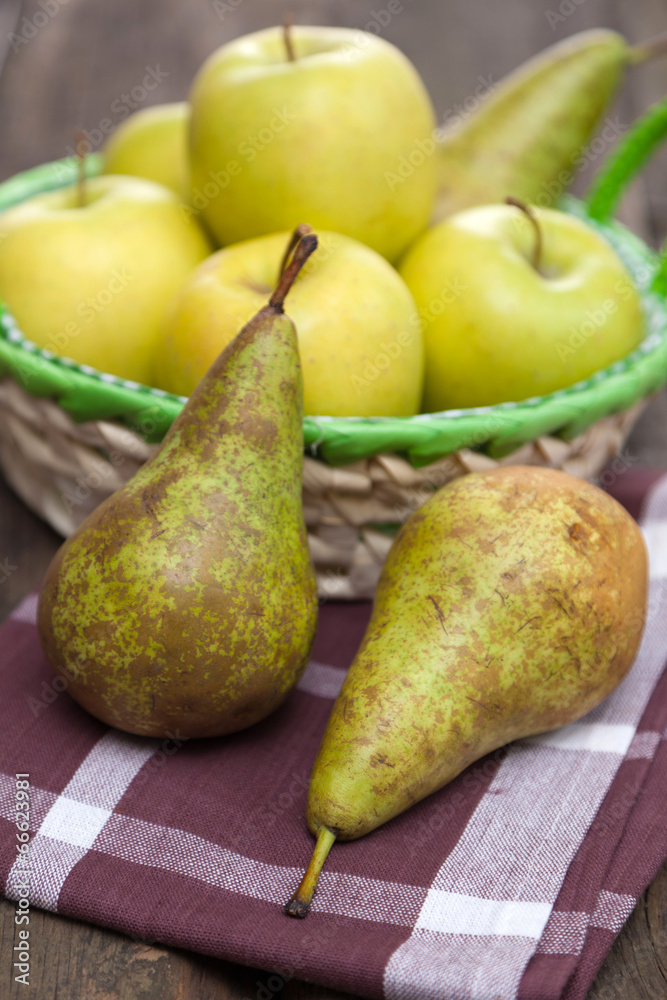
[(66, 74)]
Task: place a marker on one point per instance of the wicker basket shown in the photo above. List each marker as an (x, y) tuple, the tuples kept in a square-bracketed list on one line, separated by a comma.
[(70, 436)]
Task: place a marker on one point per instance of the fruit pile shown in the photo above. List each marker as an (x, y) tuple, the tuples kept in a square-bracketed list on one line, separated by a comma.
[(513, 601), (428, 291)]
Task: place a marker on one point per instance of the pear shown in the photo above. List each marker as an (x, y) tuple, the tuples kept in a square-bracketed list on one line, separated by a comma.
[(187, 601), (511, 603), (528, 138)]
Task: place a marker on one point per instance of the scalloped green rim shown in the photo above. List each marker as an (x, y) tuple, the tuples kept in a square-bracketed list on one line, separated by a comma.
[(86, 394)]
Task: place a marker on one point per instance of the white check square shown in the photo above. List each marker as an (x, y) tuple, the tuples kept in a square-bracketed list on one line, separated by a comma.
[(655, 536), (595, 737), (456, 913), (73, 822)]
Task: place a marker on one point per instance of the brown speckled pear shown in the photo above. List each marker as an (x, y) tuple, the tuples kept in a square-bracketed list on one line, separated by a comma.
[(511, 603), (187, 601)]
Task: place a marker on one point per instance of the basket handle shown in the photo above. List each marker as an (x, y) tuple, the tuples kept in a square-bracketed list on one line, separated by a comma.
[(626, 160)]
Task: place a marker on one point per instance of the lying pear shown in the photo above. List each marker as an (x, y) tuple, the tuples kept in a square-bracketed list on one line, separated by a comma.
[(511, 603), (528, 139), (187, 601)]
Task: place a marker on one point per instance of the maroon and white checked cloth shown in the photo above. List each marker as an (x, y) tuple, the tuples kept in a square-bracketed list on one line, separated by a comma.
[(511, 882)]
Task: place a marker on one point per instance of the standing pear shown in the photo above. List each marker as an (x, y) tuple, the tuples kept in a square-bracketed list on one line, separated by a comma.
[(529, 137), (187, 601), (511, 603)]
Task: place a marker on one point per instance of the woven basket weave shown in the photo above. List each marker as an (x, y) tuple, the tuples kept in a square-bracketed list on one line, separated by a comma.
[(63, 470), (70, 436)]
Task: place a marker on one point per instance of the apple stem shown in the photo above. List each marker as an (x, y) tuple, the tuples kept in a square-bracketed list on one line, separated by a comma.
[(80, 169), (306, 245), (288, 21), (294, 239), (648, 50), (299, 904), (528, 212)]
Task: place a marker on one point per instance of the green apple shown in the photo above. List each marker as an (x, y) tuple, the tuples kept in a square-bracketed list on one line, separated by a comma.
[(152, 143), (340, 136), (498, 328), (92, 282), (359, 332)]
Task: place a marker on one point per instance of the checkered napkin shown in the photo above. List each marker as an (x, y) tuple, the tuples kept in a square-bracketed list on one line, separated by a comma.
[(512, 882)]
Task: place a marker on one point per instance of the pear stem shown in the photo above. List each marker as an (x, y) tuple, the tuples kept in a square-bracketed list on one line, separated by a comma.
[(288, 21), (299, 904), (298, 233), (648, 50), (307, 244), (80, 170), (528, 212)]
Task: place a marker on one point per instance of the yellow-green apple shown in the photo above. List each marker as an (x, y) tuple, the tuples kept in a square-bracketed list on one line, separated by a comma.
[(341, 135), (359, 332), (500, 325), (92, 281), (152, 143)]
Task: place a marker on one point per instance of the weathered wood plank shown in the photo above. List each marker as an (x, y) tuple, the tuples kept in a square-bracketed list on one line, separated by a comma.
[(78, 961), (636, 967), (27, 545)]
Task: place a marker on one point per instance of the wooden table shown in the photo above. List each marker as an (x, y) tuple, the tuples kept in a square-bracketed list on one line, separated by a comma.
[(66, 76)]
